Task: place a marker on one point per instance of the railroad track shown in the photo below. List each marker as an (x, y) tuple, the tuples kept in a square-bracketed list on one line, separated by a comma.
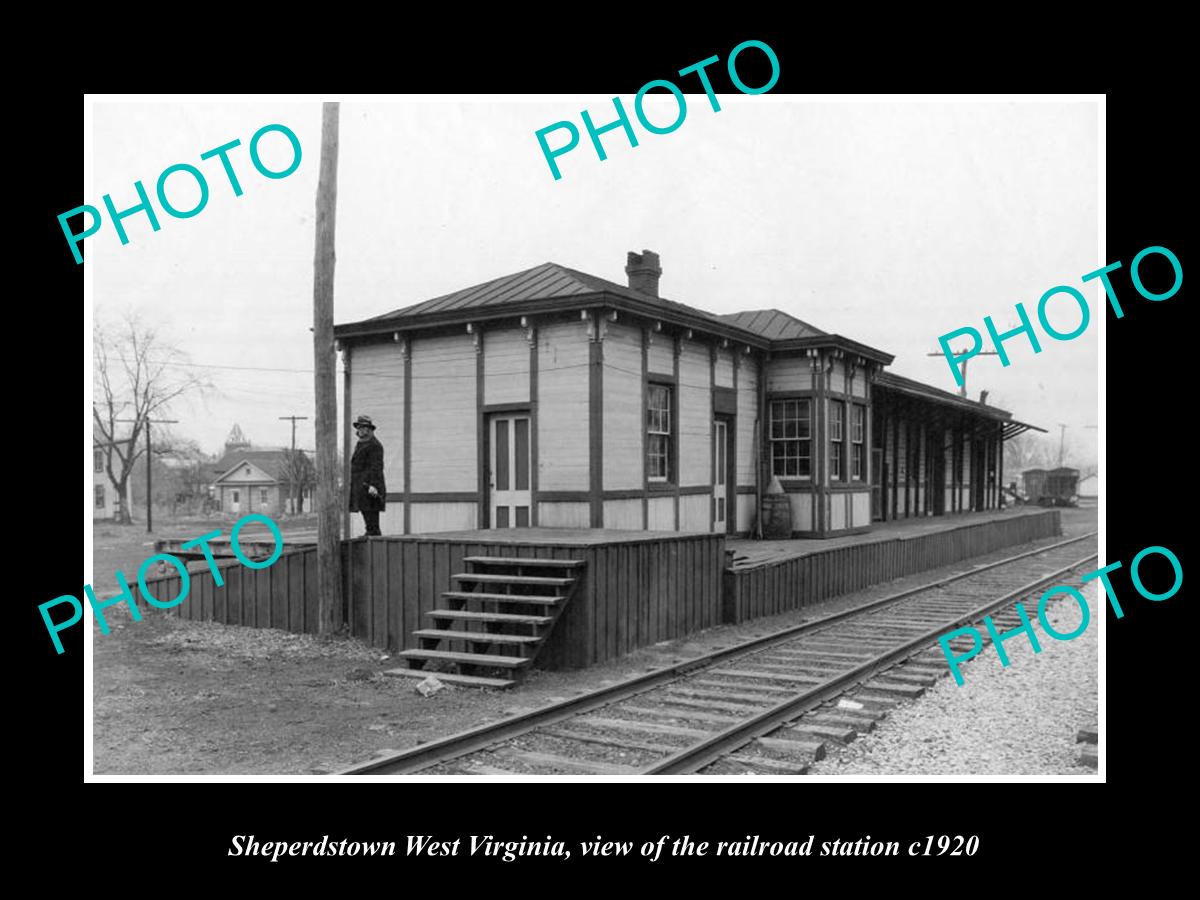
[(767, 706)]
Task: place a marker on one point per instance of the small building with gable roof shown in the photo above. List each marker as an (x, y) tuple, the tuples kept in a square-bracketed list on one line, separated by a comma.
[(253, 480)]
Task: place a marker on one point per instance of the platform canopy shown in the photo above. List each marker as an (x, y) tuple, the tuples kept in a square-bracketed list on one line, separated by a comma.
[(950, 403), (1013, 428)]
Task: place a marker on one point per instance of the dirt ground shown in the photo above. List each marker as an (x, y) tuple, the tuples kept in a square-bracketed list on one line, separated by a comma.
[(178, 697)]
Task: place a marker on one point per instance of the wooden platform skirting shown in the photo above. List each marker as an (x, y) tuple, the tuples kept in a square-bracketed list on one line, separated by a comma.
[(630, 594), (282, 596), (786, 584)]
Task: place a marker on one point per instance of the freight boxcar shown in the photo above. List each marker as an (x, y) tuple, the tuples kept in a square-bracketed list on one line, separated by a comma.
[(1058, 487)]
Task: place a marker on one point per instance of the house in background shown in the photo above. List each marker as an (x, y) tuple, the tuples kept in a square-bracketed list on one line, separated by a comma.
[(552, 397), (1089, 487), (106, 498), (254, 480)]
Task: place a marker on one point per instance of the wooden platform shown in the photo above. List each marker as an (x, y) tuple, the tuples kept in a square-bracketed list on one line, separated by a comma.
[(636, 588), (551, 537), (769, 577), (747, 552)]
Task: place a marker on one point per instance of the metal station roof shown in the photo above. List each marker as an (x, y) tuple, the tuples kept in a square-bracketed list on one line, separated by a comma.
[(912, 388), (549, 280), (551, 287), (907, 386), (772, 324)]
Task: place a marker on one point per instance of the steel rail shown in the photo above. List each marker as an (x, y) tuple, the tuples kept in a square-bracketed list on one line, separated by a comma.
[(708, 751), (483, 736)]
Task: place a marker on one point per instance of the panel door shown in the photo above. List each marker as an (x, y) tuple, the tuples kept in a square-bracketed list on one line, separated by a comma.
[(509, 470), (720, 476)]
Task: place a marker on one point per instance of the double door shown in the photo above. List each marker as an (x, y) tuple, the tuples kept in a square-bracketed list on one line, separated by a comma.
[(509, 470)]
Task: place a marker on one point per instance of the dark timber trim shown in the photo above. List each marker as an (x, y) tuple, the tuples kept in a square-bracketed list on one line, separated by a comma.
[(481, 436), (868, 474), (797, 395), (712, 435), (820, 465), (437, 497), (586, 496), (623, 494), (534, 496), (518, 406), (677, 418), (408, 352), (1000, 498), (909, 467), (596, 421), (731, 515), (565, 497), (763, 463), (645, 449), (894, 411), (885, 470)]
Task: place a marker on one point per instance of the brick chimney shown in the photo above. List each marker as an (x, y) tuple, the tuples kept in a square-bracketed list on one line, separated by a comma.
[(643, 271)]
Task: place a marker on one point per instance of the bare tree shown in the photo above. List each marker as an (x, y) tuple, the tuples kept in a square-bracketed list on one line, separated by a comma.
[(136, 375), (181, 474), (1028, 451), (299, 474)]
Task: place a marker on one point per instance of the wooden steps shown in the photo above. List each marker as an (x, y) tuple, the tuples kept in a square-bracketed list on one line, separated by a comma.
[(488, 637), (469, 616), (493, 625), (527, 562), (545, 599), (491, 578), (478, 659)]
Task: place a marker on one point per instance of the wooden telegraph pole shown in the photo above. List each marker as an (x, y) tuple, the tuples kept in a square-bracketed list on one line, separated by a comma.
[(962, 391), (328, 501), (149, 466)]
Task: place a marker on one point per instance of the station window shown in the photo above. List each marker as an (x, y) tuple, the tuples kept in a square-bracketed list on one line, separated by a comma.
[(837, 439), (658, 433), (99, 496), (791, 438), (262, 497), (858, 435), (98, 460)]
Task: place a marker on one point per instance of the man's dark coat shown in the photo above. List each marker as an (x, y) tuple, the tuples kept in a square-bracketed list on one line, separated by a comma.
[(366, 468)]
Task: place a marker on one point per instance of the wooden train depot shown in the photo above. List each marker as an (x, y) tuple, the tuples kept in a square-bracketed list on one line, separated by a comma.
[(575, 469), (555, 398)]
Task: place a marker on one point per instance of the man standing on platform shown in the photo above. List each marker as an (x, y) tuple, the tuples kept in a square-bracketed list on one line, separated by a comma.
[(368, 493)]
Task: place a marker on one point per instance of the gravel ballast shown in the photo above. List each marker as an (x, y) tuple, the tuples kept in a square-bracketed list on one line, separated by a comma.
[(1019, 720)]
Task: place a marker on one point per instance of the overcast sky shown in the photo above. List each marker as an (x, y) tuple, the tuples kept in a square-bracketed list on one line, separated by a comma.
[(888, 223)]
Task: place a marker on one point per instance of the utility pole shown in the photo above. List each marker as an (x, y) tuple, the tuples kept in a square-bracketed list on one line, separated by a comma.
[(1062, 435), (150, 467), (292, 459), (962, 391), (329, 556)]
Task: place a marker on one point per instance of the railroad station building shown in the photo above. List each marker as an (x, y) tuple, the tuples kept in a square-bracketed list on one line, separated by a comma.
[(556, 398)]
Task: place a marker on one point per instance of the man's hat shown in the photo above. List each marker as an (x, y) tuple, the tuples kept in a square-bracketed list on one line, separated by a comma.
[(364, 420)]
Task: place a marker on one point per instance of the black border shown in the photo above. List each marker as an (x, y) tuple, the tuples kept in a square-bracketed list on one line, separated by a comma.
[(1147, 416)]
